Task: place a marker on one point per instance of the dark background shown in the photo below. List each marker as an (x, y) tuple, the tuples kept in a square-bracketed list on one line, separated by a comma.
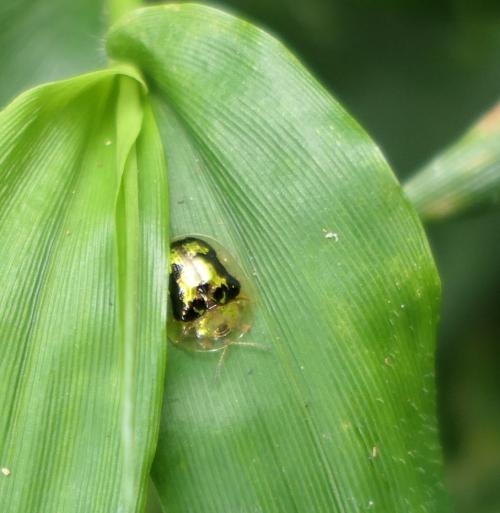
[(415, 74)]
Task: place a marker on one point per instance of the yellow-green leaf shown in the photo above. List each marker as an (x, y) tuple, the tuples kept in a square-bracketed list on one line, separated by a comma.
[(83, 244)]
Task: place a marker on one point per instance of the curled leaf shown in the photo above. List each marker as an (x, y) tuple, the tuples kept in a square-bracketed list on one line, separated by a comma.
[(83, 245)]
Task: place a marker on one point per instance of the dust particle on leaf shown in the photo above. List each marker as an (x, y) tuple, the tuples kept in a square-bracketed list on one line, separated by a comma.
[(331, 235)]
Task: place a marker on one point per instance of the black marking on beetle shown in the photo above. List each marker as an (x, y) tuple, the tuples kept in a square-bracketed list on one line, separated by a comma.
[(191, 302)]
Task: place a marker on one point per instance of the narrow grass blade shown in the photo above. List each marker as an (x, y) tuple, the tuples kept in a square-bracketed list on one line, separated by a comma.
[(464, 178)]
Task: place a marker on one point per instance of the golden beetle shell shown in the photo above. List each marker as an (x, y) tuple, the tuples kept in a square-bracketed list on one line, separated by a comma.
[(209, 302)]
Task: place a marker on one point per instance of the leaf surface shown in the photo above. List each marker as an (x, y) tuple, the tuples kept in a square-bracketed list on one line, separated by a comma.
[(340, 415), (83, 244), (42, 40)]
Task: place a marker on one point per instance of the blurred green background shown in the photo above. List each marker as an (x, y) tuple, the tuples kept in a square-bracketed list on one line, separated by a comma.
[(415, 74)]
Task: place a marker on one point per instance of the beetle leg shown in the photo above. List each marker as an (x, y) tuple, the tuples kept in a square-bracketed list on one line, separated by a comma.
[(220, 363), (263, 347), (225, 350)]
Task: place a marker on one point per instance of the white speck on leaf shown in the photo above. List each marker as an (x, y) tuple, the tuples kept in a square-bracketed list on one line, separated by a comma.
[(331, 235), (6, 471)]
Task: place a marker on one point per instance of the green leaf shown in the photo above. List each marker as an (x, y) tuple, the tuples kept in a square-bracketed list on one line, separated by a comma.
[(464, 178), (340, 415), (83, 244), (42, 40)]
